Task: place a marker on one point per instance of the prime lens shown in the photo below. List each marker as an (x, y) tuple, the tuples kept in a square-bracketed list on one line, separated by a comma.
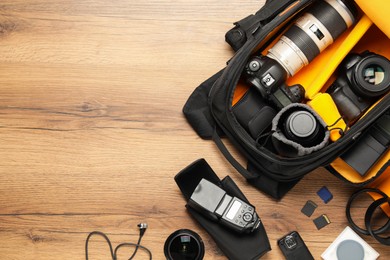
[(184, 244), (312, 33)]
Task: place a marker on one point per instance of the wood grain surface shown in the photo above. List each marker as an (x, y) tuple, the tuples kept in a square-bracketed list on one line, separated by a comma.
[(92, 133)]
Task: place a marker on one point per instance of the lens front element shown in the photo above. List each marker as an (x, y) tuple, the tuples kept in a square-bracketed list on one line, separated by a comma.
[(371, 76), (184, 244), (374, 74)]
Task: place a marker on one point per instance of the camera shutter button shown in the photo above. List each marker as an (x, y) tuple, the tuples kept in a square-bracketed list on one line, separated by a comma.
[(254, 65)]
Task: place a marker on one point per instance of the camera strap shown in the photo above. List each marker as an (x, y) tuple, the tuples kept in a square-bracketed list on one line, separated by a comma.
[(369, 215)]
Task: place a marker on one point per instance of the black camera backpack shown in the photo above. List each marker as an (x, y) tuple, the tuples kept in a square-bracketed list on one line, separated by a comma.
[(209, 108)]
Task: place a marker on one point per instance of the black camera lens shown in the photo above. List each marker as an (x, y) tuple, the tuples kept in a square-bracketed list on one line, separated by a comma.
[(372, 76), (362, 80), (302, 127), (184, 244)]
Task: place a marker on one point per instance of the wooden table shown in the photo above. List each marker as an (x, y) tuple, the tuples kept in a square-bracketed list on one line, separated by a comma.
[(92, 132)]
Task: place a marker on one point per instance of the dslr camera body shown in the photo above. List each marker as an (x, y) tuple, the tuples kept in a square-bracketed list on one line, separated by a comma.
[(268, 77), (362, 80)]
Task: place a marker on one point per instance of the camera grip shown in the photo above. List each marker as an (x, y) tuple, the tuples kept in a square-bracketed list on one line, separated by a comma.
[(345, 105)]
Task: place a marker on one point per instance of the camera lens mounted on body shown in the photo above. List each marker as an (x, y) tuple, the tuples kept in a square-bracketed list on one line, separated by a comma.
[(319, 27)]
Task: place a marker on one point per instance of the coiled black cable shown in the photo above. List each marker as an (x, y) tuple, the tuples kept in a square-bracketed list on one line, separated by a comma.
[(113, 252)]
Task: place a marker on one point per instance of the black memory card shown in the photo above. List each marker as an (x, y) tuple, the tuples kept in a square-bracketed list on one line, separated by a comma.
[(309, 208), (321, 221)]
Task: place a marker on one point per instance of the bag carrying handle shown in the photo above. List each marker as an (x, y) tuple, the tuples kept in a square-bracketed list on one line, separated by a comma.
[(256, 178), (222, 147)]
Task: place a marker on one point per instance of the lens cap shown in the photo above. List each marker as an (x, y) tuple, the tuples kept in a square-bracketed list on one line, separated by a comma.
[(184, 244), (302, 127), (301, 124)]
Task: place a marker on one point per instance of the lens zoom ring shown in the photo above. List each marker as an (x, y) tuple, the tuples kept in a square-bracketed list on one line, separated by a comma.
[(303, 42), (329, 17)]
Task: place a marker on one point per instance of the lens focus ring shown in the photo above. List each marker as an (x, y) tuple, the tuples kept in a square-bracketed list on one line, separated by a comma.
[(303, 42), (329, 17)]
